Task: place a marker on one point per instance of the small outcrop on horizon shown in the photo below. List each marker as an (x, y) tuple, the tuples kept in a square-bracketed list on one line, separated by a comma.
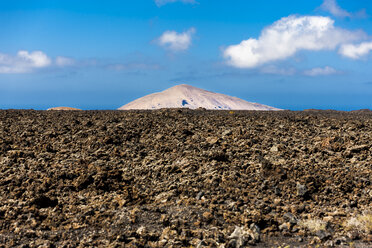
[(362, 111), (63, 108), (187, 96)]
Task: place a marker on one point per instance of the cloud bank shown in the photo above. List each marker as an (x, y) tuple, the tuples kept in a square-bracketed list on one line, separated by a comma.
[(271, 69), (160, 3), (30, 62), (64, 61), (356, 51), (23, 62), (327, 70), (332, 7), (176, 41), (133, 67), (286, 37)]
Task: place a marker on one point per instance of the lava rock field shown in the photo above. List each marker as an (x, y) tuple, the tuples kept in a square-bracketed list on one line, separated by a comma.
[(185, 178)]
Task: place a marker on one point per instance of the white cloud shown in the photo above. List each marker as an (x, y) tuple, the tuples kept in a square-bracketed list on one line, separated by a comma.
[(332, 7), (64, 61), (176, 41), (23, 62), (36, 59), (327, 70), (356, 51), (160, 3), (287, 36)]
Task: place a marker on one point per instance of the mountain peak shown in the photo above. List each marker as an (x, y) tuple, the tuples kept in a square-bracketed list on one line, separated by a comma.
[(183, 87), (187, 96)]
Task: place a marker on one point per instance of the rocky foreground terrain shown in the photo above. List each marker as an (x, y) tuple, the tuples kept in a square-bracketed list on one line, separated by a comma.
[(185, 178)]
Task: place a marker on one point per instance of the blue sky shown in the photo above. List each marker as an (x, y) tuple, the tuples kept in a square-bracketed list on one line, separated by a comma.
[(94, 54)]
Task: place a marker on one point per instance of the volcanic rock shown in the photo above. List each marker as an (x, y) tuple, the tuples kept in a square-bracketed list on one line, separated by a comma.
[(183, 178)]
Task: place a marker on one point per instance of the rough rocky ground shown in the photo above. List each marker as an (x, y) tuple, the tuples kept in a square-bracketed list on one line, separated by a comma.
[(182, 178)]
